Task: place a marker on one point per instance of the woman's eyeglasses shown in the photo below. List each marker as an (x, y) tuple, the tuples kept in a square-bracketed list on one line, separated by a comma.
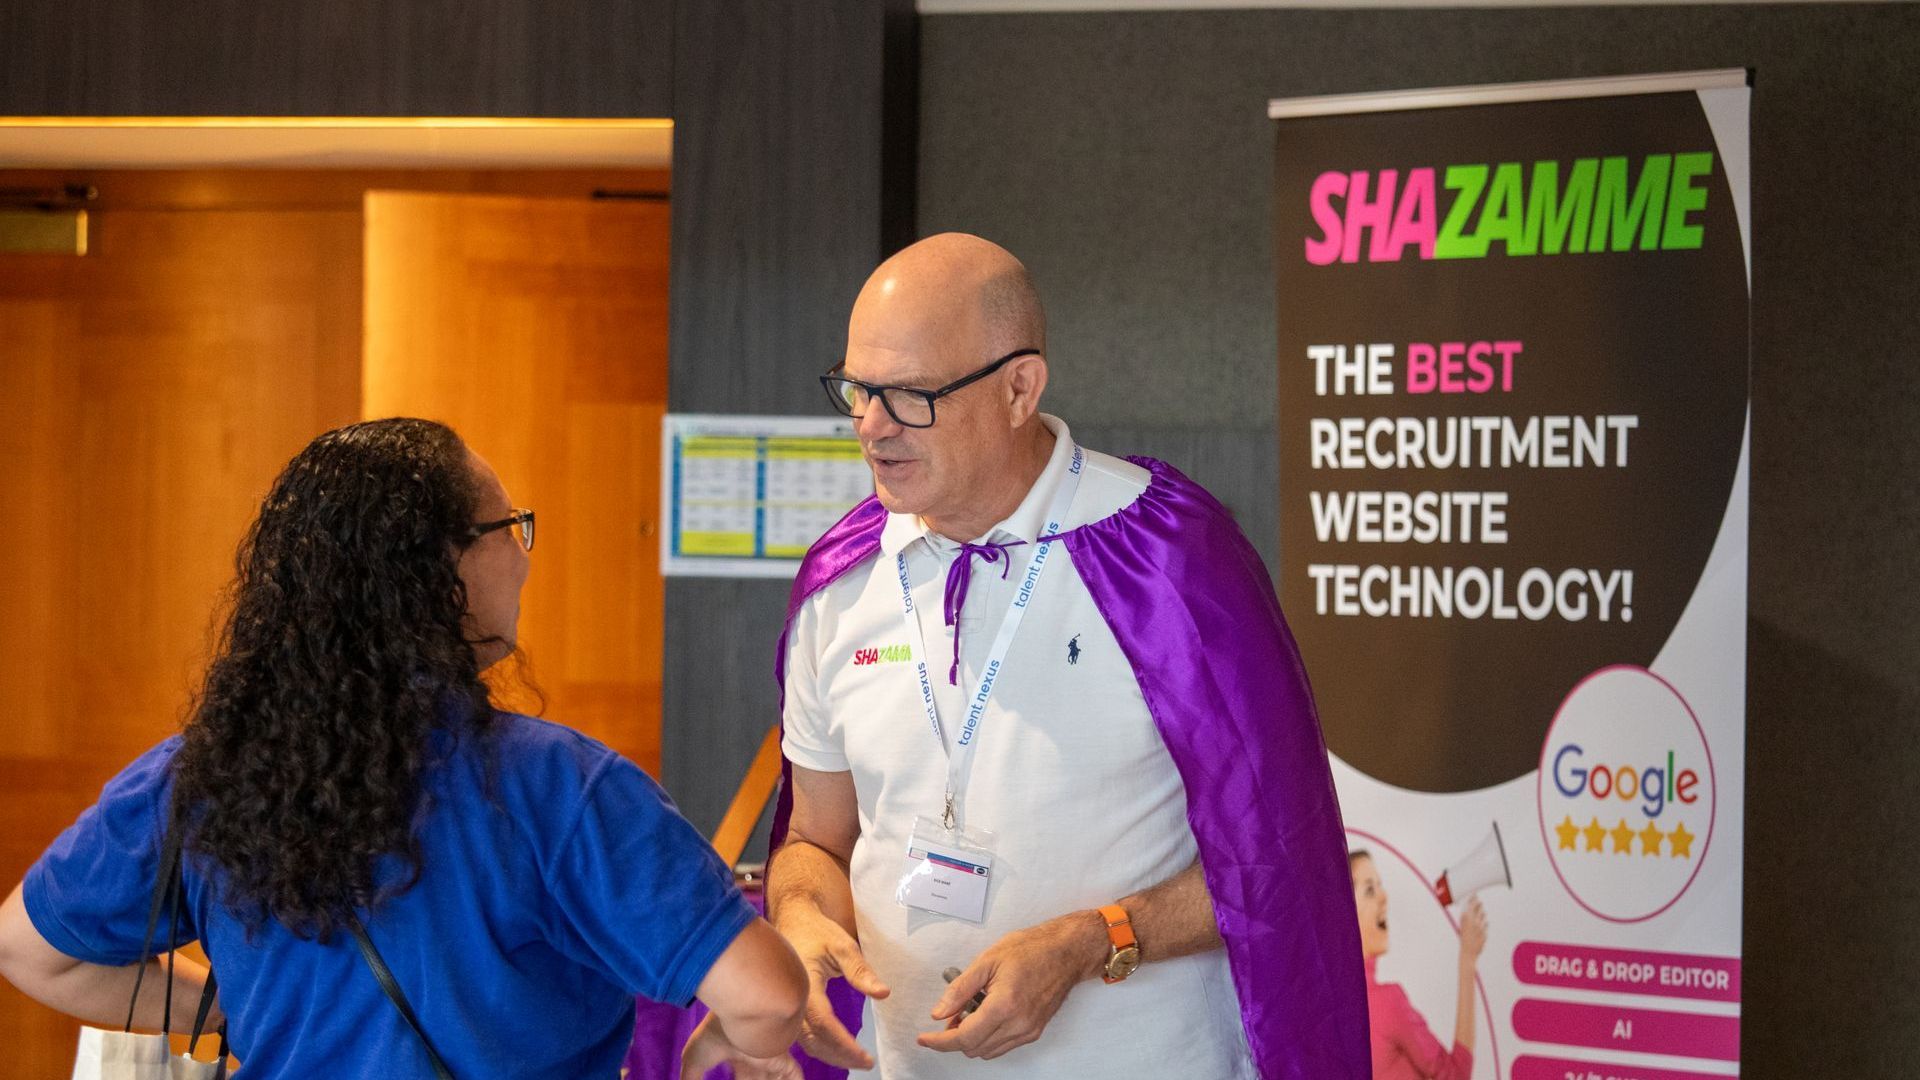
[(521, 518)]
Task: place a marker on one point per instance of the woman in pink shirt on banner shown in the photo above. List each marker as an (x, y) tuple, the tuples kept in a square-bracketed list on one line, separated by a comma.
[(1403, 1047)]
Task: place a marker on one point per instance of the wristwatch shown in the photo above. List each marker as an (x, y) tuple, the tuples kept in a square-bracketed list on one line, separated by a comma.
[(1123, 957)]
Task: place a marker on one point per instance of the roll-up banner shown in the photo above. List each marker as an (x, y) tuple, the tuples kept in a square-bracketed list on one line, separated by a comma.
[(1513, 349)]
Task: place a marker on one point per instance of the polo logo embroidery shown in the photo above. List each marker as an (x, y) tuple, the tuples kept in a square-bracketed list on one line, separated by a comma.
[(1073, 650), (885, 654)]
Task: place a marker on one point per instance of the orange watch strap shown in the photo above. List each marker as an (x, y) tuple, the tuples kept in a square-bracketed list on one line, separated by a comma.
[(1119, 926)]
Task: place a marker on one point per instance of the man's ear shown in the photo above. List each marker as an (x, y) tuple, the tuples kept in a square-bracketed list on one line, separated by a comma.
[(1026, 381)]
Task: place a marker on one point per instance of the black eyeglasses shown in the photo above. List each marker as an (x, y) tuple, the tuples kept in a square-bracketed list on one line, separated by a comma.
[(522, 518), (909, 406)]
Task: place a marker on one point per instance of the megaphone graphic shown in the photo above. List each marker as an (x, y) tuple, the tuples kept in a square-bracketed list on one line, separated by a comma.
[(1486, 865)]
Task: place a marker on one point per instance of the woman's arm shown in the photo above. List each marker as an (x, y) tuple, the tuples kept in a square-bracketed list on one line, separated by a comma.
[(757, 991), (93, 992), (1473, 938)]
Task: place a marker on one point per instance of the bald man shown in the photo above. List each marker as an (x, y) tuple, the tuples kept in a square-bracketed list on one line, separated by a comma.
[(1044, 725)]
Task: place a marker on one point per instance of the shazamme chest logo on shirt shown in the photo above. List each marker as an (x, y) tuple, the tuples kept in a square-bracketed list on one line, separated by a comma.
[(882, 654)]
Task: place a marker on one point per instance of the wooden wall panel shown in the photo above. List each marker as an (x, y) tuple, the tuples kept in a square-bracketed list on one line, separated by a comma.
[(148, 395), (537, 328), (39, 412)]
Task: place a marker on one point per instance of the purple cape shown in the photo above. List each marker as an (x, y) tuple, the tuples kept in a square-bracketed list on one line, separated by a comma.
[(1191, 605), (1193, 609)]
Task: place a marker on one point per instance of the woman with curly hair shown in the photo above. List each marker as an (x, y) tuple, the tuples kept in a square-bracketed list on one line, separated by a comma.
[(345, 766)]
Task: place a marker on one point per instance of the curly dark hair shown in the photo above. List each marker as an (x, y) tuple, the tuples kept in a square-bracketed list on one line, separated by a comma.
[(343, 650)]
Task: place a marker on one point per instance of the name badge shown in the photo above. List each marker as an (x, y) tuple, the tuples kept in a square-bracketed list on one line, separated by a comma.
[(947, 870)]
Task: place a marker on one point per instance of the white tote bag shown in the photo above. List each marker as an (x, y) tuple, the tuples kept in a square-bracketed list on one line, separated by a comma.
[(120, 1055), (123, 1055)]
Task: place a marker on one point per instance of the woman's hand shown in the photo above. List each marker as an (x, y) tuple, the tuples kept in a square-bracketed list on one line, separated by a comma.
[(708, 1047), (1473, 938), (1473, 934)]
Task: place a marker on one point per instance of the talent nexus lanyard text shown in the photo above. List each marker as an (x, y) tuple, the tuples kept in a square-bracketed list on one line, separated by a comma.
[(960, 757)]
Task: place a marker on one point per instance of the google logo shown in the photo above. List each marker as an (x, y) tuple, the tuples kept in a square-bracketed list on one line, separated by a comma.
[(1653, 785), (1627, 793)]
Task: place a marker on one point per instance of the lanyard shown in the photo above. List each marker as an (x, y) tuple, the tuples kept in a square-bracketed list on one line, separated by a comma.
[(960, 756)]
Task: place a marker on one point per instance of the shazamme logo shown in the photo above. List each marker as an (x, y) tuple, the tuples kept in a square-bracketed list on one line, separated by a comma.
[(883, 654), (1473, 210), (1626, 794)]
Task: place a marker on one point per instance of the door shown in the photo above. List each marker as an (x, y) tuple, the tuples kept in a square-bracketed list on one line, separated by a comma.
[(149, 393), (537, 328)]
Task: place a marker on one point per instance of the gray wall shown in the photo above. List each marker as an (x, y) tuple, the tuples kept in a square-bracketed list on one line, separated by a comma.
[(339, 58), (785, 121), (1128, 159)]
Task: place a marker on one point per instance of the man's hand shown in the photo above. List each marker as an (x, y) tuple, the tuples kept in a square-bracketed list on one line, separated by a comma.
[(708, 1047), (827, 950), (1026, 976)]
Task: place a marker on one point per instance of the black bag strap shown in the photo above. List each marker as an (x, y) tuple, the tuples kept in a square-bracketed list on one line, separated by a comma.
[(165, 880), (200, 1026), (167, 888), (394, 994), (173, 935), (200, 1016)]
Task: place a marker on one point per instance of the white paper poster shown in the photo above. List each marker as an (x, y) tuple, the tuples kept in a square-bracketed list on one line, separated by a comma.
[(747, 495)]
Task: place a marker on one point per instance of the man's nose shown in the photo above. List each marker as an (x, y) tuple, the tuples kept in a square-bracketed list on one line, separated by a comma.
[(876, 422)]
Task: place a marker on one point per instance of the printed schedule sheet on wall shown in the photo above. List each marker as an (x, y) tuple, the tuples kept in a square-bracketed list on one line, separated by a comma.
[(746, 496)]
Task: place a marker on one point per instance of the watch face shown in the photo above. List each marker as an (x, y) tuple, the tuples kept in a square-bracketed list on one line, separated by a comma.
[(1124, 962)]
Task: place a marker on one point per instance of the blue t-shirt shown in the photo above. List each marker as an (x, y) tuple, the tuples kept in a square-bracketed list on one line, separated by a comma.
[(544, 906)]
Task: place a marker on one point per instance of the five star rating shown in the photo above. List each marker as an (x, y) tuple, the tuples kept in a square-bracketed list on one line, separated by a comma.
[(1654, 842)]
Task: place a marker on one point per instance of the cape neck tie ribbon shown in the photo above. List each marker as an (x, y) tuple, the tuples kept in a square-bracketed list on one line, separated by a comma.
[(960, 576)]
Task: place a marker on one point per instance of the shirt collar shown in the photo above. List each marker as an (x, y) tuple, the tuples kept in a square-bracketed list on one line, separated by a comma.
[(1027, 519)]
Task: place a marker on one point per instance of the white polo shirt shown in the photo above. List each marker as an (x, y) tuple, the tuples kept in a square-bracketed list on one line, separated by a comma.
[(1070, 775)]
